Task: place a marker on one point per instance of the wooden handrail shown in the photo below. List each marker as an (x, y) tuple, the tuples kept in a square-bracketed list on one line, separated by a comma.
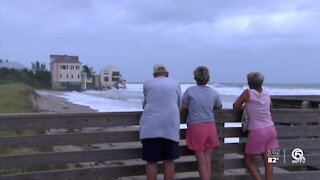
[(110, 144)]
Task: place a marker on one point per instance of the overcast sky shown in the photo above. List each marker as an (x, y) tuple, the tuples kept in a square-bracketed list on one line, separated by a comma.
[(280, 38)]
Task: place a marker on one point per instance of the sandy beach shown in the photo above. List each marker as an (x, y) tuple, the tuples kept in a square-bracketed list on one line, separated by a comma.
[(49, 103)]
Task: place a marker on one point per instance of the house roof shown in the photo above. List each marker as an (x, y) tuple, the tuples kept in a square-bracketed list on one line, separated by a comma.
[(64, 59), (12, 65), (112, 68)]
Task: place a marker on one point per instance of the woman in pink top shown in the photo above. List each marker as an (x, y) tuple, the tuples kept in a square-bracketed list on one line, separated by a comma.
[(262, 137)]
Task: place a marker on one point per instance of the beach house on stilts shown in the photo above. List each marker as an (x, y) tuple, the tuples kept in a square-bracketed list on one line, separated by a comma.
[(110, 77), (67, 73)]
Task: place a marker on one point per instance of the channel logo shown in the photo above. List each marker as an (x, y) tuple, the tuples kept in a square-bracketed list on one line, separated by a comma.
[(297, 156)]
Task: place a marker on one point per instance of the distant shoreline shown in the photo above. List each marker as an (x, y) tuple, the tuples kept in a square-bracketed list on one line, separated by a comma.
[(54, 104)]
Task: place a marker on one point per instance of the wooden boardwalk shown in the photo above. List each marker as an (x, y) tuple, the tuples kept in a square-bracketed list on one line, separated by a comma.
[(110, 147)]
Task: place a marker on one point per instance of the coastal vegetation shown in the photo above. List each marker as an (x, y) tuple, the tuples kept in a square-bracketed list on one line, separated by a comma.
[(38, 76), (14, 98), (16, 87)]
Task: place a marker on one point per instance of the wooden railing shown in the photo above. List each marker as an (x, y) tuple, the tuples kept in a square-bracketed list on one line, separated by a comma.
[(106, 146), (296, 101)]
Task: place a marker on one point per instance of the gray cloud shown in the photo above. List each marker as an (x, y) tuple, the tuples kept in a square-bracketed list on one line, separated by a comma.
[(230, 37)]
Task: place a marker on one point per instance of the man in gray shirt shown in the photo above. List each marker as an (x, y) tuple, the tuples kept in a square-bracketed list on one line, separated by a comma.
[(160, 122)]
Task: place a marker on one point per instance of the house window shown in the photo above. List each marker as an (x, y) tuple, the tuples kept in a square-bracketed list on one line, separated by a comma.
[(60, 76), (77, 67), (72, 67), (115, 79), (63, 67), (72, 76), (78, 76), (106, 78), (115, 73), (67, 76)]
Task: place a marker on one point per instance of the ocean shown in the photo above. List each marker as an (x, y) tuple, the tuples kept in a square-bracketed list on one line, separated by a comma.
[(130, 99)]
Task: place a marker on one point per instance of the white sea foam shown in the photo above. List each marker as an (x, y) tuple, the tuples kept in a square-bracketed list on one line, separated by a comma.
[(130, 99)]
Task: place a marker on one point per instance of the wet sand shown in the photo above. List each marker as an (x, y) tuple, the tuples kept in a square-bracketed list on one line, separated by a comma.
[(47, 102)]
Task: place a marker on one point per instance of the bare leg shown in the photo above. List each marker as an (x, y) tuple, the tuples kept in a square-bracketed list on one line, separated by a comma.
[(168, 169), (268, 168), (208, 153), (202, 164), (249, 161), (151, 170)]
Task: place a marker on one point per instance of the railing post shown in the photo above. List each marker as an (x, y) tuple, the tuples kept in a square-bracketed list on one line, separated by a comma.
[(306, 105), (218, 164)]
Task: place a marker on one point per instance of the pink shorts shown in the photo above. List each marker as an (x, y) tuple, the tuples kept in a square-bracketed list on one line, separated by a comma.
[(261, 140), (201, 136)]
